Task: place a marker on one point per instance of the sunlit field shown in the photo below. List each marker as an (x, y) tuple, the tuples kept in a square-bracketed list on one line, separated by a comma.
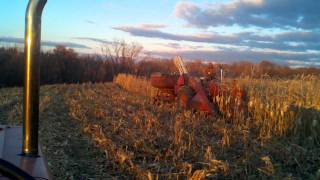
[(116, 130), (160, 90)]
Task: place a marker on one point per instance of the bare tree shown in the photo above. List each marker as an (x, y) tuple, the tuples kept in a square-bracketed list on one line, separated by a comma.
[(121, 55)]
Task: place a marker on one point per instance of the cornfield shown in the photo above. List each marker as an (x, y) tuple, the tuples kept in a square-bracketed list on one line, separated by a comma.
[(113, 130), (275, 107), (277, 110)]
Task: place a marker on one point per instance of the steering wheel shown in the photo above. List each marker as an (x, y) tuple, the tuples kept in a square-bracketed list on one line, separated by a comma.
[(11, 171)]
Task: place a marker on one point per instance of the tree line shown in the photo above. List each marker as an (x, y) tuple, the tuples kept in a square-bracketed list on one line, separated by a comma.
[(64, 65)]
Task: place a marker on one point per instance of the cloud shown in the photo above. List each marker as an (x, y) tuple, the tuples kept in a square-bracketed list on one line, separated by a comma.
[(233, 55), (179, 46), (12, 40), (66, 44), (44, 43), (152, 33), (292, 40), (153, 26), (103, 41), (90, 22), (172, 45), (299, 36), (297, 64), (259, 13)]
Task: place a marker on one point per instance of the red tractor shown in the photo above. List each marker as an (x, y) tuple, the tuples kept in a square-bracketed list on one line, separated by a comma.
[(191, 92)]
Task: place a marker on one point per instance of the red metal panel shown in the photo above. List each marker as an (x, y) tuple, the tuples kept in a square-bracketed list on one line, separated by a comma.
[(163, 81)]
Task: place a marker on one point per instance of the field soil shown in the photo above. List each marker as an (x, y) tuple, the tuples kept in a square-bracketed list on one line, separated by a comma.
[(101, 131)]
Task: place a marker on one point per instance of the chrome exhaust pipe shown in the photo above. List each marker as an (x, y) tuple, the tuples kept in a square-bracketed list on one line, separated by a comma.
[(32, 77)]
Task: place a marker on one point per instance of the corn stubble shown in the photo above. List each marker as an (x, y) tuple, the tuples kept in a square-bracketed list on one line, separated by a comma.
[(274, 134)]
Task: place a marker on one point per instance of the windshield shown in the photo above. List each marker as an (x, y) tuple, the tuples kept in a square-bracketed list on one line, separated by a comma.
[(164, 89)]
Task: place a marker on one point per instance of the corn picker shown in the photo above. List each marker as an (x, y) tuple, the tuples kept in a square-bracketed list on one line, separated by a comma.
[(194, 93)]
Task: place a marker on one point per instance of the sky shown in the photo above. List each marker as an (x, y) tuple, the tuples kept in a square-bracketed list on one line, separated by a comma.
[(282, 31)]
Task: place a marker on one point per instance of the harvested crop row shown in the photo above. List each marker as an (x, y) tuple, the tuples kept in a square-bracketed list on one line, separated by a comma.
[(147, 141)]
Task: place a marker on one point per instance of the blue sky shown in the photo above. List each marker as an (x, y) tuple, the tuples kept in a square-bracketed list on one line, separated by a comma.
[(282, 31)]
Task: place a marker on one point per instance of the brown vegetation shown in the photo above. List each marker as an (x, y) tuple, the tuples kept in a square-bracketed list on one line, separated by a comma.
[(123, 134), (275, 107), (64, 65), (283, 119), (139, 139)]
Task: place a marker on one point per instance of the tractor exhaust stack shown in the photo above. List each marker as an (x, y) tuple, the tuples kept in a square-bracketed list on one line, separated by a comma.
[(32, 77)]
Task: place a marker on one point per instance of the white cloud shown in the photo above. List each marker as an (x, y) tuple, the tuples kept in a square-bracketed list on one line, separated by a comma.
[(259, 13)]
